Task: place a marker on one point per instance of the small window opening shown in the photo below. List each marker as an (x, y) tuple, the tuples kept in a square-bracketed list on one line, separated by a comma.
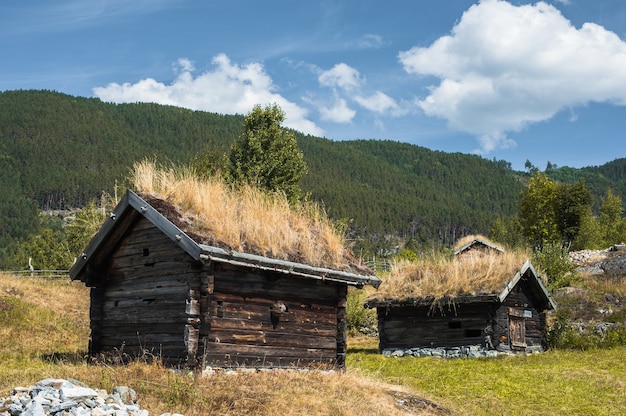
[(276, 311), (146, 252), (454, 325), (473, 333), (220, 309)]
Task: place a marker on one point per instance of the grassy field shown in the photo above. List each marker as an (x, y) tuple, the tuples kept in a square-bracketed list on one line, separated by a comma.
[(557, 382), (44, 329)]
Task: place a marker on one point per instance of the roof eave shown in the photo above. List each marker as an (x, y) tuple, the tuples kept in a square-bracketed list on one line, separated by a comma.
[(409, 302), (217, 254), (511, 284), (131, 200)]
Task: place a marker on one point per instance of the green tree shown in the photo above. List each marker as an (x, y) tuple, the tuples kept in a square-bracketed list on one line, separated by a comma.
[(507, 231), (46, 249), (266, 155), (573, 202), (210, 161), (611, 223), (552, 212), (554, 260), (86, 224), (537, 210), (590, 234)]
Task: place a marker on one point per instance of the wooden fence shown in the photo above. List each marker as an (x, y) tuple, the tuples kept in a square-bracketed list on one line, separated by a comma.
[(37, 273)]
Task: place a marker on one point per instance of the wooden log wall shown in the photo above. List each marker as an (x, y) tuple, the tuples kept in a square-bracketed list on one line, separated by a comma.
[(419, 326), (143, 302), (274, 320)]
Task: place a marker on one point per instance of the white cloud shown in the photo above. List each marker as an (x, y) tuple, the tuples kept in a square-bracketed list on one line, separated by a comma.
[(380, 102), (184, 65), (338, 113), (370, 41), (340, 76), (490, 142), (346, 83), (504, 67), (228, 89)]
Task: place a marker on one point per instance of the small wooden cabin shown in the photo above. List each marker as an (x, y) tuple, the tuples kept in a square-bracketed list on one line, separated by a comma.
[(155, 288), (478, 246), (509, 320)]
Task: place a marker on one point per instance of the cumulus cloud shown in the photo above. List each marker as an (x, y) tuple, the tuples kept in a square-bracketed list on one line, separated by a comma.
[(347, 83), (340, 76), (504, 67), (379, 102), (338, 113), (228, 89)]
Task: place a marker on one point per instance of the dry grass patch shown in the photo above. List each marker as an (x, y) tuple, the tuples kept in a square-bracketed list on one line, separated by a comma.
[(246, 219), (42, 318), (44, 331), (600, 284), (64, 296), (444, 277), (283, 392)]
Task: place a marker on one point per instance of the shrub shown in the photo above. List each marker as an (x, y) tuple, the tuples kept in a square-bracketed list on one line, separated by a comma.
[(554, 260), (359, 319), (566, 335)]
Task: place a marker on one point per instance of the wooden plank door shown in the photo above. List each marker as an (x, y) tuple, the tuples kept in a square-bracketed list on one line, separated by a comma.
[(517, 332)]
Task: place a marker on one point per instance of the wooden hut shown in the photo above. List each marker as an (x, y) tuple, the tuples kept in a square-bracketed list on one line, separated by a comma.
[(156, 288), (508, 315), (476, 246)]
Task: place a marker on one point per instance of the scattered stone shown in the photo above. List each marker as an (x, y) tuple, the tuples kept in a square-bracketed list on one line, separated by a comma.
[(611, 261), (127, 395), (60, 397)]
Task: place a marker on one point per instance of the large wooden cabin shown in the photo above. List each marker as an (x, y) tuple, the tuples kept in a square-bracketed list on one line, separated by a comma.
[(155, 288)]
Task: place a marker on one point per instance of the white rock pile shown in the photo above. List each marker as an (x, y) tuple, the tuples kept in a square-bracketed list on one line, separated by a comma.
[(57, 397), (610, 262)]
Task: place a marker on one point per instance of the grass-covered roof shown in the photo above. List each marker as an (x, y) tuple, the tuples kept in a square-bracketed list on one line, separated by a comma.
[(244, 219), (440, 278)]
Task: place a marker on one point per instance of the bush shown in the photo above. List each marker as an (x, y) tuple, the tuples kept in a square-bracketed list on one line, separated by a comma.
[(360, 320), (554, 260), (565, 335)]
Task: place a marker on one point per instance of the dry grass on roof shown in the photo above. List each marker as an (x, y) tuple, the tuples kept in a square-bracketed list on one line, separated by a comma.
[(444, 277), (247, 220)]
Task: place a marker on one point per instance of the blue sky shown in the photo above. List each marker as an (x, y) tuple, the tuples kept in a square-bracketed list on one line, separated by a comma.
[(517, 80)]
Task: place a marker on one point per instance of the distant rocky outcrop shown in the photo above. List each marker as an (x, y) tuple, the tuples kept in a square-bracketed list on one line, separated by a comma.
[(608, 262), (596, 308)]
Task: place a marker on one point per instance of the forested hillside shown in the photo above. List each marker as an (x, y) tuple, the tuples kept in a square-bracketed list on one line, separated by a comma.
[(392, 187), (60, 151)]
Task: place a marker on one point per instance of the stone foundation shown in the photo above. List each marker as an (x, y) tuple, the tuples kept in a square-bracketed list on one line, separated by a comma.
[(469, 351)]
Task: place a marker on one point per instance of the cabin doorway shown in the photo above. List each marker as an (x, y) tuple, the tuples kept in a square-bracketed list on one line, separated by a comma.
[(517, 329)]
